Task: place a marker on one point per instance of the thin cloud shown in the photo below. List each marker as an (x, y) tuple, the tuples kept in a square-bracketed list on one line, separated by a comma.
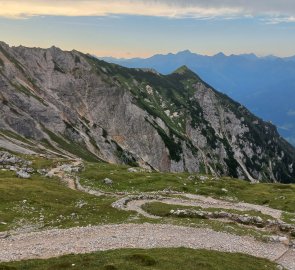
[(276, 10), (21, 9), (277, 20), (291, 113)]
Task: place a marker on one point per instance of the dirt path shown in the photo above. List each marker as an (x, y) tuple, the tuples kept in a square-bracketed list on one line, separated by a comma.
[(137, 207), (56, 242), (65, 177), (203, 202), (211, 202)]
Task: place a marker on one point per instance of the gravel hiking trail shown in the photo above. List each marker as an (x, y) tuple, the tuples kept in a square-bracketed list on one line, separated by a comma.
[(57, 242)]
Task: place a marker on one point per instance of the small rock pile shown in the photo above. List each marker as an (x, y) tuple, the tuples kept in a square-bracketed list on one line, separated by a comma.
[(13, 163), (282, 226), (10, 159), (23, 174), (69, 168), (65, 168), (138, 169), (42, 171), (132, 170), (242, 219)]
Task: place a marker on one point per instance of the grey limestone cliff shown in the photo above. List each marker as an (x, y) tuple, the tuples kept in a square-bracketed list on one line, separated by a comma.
[(71, 104)]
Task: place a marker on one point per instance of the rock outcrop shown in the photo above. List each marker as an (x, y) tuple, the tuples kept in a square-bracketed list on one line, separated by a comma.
[(71, 104)]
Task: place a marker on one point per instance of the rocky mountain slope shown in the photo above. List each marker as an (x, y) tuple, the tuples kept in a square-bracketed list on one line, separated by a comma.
[(71, 104), (255, 82)]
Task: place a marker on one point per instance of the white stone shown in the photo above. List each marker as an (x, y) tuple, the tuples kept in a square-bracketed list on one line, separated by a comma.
[(132, 170), (108, 181), (23, 174)]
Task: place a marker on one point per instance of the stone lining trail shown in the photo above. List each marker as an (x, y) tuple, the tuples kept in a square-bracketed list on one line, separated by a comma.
[(203, 202), (53, 243), (242, 206)]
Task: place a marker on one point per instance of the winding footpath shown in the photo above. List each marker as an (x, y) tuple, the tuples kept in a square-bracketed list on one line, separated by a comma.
[(57, 242), (203, 202), (206, 202)]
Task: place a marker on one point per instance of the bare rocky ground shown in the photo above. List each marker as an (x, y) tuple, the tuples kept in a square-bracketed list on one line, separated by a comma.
[(57, 242)]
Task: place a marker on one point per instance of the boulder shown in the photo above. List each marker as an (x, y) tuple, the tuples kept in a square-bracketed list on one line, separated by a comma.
[(257, 219), (42, 171), (132, 170), (279, 239), (203, 178), (12, 168), (191, 178), (107, 181), (23, 174), (244, 219), (283, 239), (28, 170), (49, 174), (66, 168)]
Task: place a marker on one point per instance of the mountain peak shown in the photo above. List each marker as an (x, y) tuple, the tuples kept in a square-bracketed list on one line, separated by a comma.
[(185, 73), (3, 44), (220, 54), (185, 52), (182, 70)]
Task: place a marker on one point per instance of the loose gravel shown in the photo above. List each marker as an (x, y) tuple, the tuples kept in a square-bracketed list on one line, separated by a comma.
[(53, 243)]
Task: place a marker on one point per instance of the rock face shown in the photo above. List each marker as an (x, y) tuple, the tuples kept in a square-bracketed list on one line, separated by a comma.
[(71, 104)]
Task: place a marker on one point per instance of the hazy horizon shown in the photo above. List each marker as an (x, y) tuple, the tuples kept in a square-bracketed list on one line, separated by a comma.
[(156, 53)]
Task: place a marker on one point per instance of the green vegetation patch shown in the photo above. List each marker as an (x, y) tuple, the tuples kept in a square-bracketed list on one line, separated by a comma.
[(156, 259), (163, 210), (14, 135), (72, 147), (278, 196), (123, 180), (41, 202)]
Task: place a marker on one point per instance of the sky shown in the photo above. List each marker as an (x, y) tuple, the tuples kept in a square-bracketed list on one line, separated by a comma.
[(141, 28)]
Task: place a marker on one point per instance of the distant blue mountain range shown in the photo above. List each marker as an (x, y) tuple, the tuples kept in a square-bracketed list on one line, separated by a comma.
[(265, 85)]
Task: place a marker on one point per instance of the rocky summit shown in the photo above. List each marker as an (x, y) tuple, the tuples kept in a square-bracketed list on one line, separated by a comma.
[(74, 105)]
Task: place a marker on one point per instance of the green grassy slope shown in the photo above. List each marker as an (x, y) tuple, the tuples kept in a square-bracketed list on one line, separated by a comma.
[(41, 202), (154, 259), (278, 196)]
